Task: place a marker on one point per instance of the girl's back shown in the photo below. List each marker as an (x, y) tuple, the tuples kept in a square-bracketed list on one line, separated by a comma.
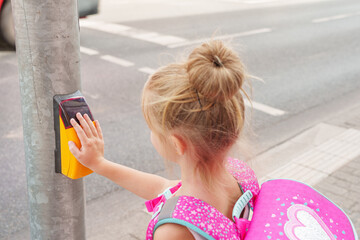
[(207, 215)]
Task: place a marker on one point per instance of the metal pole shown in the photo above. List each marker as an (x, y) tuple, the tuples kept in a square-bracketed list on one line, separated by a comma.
[(48, 51)]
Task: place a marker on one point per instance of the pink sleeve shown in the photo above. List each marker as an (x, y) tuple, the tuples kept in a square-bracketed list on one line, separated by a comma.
[(244, 175)]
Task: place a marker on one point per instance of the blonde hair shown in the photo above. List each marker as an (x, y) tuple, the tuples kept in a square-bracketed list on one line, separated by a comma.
[(200, 100)]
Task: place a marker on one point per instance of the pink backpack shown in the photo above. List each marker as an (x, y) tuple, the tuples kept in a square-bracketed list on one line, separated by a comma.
[(282, 209), (288, 209)]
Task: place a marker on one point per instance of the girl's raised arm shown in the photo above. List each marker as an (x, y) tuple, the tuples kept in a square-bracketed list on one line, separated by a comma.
[(91, 155)]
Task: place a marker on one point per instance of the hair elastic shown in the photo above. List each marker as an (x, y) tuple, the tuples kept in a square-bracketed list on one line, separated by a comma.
[(218, 62), (197, 94)]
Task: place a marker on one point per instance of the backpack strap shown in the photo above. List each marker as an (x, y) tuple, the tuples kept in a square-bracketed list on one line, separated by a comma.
[(204, 219), (242, 224), (167, 216), (162, 197)]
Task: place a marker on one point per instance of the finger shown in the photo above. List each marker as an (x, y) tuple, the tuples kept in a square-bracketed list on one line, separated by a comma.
[(74, 149), (91, 125), (84, 125), (98, 129), (79, 131)]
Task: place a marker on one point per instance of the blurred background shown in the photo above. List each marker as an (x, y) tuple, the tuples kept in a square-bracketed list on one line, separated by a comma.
[(306, 51)]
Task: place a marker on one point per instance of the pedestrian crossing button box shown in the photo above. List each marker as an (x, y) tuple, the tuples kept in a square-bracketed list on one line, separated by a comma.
[(65, 108)]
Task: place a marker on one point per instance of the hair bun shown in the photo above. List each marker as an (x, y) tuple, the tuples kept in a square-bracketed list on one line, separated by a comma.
[(215, 71)]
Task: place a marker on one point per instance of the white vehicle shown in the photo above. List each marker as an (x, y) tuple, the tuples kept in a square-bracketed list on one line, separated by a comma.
[(7, 32)]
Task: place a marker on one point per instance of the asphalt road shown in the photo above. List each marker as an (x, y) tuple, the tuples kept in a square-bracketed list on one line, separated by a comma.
[(307, 54)]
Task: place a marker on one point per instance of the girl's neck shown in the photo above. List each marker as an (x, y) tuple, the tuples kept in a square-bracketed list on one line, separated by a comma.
[(222, 194), (194, 185)]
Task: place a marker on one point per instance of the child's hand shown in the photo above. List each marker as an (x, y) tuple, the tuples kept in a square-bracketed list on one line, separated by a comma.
[(91, 152)]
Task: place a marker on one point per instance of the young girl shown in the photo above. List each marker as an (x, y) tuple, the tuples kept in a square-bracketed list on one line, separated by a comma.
[(195, 110)]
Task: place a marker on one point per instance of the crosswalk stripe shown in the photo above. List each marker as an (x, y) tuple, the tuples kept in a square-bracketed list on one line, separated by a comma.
[(264, 108), (116, 60), (147, 70), (228, 36), (88, 51), (332, 18), (118, 29)]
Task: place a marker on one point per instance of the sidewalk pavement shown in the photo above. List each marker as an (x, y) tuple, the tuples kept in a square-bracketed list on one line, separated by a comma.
[(343, 185), (326, 156)]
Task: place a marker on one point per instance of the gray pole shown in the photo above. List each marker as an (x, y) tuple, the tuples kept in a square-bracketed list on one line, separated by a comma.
[(48, 51)]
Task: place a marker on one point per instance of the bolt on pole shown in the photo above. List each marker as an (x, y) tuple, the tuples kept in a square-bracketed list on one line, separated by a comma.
[(48, 52)]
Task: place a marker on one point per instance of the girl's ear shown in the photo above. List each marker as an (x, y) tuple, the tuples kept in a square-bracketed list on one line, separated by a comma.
[(179, 144)]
